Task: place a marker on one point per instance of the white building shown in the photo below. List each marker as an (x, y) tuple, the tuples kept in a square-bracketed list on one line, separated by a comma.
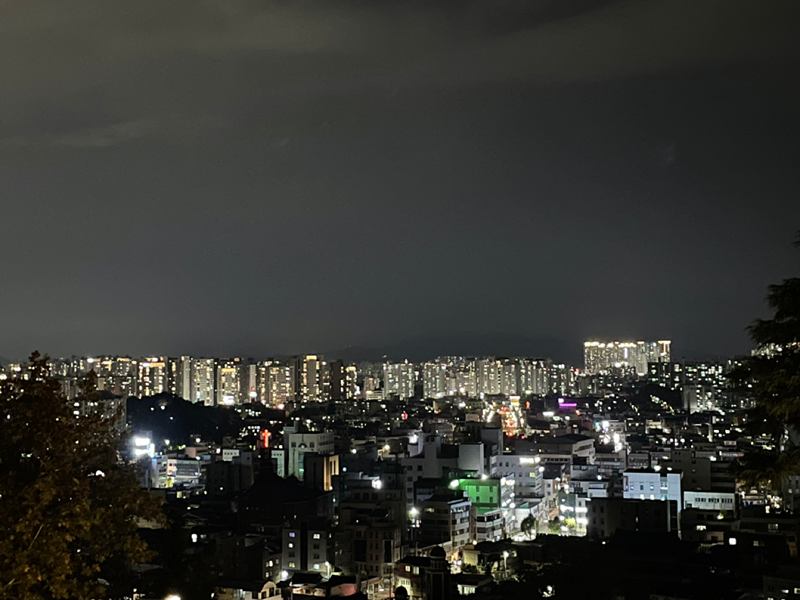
[(649, 484), (297, 444), (718, 501), (435, 457), (434, 380), (398, 380), (166, 472), (202, 381), (602, 356), (527, 473)]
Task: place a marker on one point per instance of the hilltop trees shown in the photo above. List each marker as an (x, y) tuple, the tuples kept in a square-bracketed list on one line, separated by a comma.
[(68, 506)]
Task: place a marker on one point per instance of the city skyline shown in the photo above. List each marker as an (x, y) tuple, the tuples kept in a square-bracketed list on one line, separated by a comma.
[(399, 300), (419, 350), (344, 174)]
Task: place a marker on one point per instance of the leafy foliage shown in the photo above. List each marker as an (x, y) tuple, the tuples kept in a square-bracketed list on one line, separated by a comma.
[(528, 525), (68, 505), (775, 378)]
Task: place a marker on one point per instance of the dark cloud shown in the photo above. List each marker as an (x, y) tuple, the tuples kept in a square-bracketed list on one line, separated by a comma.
[(249, 177)]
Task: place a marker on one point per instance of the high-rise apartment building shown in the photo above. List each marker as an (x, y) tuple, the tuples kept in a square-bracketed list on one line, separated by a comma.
[(202, 381), (533, 377), (309, 378), (248, 383), (600, 357), (489, 376), (342, 380), (228, 382), (183, 378), (434, 380), (280, 386), (466, 379), (560, 379), (152, 376), (398, 380), (509, 378)]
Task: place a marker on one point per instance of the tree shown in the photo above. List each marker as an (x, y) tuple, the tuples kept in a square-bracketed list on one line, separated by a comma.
[(69, 507), (528, 525), (774, 374)]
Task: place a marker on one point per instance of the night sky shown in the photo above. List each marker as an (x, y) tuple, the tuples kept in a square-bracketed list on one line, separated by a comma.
[(235, 177)]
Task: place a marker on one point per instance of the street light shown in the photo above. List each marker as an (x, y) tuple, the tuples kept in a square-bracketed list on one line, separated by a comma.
[(173, 597)]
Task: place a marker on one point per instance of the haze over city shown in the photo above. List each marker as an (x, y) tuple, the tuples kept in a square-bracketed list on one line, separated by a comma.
[(249, 178)]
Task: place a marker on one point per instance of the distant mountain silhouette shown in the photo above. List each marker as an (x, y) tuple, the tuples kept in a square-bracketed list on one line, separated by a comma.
[(450, 343)]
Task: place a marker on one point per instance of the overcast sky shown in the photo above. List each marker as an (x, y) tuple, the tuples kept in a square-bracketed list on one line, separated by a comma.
[(232, 177)]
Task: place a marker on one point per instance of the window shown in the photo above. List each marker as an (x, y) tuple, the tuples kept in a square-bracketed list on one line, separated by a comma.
[(731, 541), (292, 565), (291, 534), (316, 536)]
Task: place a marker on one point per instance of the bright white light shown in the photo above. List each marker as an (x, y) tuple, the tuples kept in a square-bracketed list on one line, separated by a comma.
[(141, 442), (284, 575), (386, 448), (173, 597), (414, 511), (377, 484), (454, 483), (194, 538)]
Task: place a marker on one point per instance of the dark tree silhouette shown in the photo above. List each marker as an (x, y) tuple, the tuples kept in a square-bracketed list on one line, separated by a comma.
[(68, 506), (774, 374)]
